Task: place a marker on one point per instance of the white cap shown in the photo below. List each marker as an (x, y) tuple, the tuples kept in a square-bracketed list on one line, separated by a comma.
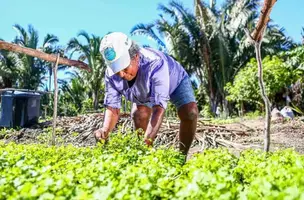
[(114, 48)]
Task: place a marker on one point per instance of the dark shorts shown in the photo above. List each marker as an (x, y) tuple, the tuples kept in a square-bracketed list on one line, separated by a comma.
[(182, 95)]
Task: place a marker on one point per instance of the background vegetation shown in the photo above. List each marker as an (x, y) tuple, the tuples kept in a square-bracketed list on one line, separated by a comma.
[(210, 43)]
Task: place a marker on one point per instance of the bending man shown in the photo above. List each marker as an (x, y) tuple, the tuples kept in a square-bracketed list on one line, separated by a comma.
[(148, 78)]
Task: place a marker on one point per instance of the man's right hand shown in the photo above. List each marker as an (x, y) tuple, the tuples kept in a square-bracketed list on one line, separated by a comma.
[(101, 134), (110, 119)]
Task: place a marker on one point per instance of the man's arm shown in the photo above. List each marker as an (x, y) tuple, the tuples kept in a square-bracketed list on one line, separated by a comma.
[(154, 124), (112, 101), (110, 119), (159, 97)]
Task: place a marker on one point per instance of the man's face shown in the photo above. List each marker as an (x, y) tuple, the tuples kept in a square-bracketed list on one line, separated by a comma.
[(130, 72)]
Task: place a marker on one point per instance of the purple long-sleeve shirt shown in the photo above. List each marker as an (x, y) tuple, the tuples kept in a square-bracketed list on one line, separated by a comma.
[(158, 76)]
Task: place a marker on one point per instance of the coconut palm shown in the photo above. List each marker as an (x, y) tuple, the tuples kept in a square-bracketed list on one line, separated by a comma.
[(75, 91), (211, 42), (9, 69), (49, 66), (32, 69), (89, 52)]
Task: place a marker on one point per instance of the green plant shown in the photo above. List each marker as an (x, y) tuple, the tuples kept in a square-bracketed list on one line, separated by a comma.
[(245, 89), (296, 109), (125, 168), (4, 132)]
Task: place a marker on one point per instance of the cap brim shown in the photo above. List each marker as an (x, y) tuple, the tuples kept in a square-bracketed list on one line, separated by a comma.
[(109, 71), (120, 64)]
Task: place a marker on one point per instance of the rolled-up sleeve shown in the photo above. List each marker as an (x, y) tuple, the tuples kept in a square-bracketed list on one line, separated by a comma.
[(112, 96), (160, 84)]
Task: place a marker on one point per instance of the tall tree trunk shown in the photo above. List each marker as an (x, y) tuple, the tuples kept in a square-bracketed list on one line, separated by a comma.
[(206, 59), (50, 79), (7, 83), (125, 105), (95, 100), (225, 107), (205, 50)]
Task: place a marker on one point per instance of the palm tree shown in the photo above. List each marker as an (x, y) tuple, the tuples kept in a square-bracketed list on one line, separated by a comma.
[(211, 42), (32, 69), (226, 36), (89, 52), (185, 40), (74, 92), (9, 69), (302, 35), (49, 66)]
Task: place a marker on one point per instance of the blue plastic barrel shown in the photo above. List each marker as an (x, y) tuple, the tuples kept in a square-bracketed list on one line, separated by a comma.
[(19, 109)]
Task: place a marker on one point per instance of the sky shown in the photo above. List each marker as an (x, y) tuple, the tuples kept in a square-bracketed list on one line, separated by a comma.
[(65, 18)]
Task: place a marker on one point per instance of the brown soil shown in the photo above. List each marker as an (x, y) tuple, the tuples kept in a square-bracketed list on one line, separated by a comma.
[(247, 134), (284, 134)]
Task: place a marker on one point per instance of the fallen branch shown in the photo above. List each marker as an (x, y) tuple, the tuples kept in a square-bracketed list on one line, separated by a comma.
[(44, 56), (220, 129)]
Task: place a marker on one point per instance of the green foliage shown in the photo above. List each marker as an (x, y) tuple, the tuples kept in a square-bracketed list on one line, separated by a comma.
[(30, 69), (125, 168), (87, 105), (295, 57), (295, 60), (276, 175), (171, 110), (5, 132), (247, 116), (206, 111), (89, 51), (245, 86)]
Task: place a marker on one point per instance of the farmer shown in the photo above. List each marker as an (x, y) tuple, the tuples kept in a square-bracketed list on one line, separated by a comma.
[(149, 79)]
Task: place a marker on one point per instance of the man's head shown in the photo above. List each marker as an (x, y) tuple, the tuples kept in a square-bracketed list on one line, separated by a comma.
[(120, 54)]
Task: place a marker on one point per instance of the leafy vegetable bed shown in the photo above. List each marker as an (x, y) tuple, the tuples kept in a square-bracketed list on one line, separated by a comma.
[(125, 169)]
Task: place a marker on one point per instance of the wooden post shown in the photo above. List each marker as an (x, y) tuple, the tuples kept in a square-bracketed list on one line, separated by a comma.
[(264, 96), (256, 38), (55, 99)]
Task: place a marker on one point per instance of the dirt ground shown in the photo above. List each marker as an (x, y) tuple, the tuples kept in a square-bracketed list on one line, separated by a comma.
[(236, 136), (284, 134)]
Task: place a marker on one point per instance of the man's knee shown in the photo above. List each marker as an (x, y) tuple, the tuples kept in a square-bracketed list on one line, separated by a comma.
[(188, 112), (141, 113)]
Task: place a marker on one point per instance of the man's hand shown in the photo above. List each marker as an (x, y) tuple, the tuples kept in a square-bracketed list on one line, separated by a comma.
[(101, 134), (110, 119), (154, 124), (148, 142)]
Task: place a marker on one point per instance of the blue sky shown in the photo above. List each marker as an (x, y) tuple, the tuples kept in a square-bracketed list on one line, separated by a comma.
[(65, 18)]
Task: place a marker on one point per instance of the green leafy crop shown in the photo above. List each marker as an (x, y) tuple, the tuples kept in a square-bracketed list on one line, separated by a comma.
[(125, 168)]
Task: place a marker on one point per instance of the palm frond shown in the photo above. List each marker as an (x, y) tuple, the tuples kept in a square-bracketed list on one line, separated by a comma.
[(49, 39), (74, 44), (146, 30), (22, 38), (34, 37), (85, 35), (167, 11)]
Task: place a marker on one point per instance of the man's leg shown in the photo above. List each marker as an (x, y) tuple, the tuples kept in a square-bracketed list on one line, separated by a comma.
[(141, 116), (188, 115)]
